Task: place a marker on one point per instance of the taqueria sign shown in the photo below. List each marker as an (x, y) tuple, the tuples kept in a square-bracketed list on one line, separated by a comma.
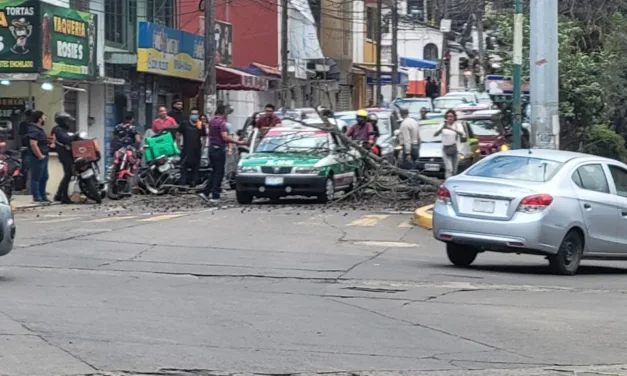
[(40, 37)]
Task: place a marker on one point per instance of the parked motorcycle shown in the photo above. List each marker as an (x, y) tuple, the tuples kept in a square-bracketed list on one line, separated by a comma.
[(161, 174), (125, 163), (87, 170), (10, 171)]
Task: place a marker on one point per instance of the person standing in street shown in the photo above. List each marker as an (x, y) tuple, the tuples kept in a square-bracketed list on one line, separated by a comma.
[(409, 139), (39, 149), (163, 121), (177, 112), (63, 145), (452, 132), (218, 139), (191, 136)]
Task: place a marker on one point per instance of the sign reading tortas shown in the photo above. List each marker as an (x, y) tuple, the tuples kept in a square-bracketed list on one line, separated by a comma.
[(19, 32), (68, 42)]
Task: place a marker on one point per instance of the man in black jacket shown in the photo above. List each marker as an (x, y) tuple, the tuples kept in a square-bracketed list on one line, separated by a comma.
[(177, 112), (63, 146)]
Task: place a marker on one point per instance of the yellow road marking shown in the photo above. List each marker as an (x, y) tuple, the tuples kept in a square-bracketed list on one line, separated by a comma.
[(368, 220), (161, 218), (58, 220), (111, 219)]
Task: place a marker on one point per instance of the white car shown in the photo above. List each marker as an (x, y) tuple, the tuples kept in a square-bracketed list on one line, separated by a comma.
[(469, 96), (7, 225)]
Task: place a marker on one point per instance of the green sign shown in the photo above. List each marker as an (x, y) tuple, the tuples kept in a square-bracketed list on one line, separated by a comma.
[(20, 50), (68, 44)]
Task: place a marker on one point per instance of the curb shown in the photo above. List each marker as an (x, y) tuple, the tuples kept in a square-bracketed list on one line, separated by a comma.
[(423, 217)]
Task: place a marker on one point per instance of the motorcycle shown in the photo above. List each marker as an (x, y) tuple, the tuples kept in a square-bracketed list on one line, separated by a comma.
[(126, 161), (10, 171), (161, 174), (87, 171)]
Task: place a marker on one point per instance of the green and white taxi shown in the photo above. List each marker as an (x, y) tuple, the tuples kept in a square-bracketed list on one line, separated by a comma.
[(296, 160)]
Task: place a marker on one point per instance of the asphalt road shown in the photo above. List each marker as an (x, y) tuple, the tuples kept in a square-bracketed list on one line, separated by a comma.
[(282, 290)]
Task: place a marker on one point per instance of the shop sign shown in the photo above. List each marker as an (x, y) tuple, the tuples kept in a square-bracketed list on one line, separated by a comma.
[(11, 110), (20, 49), (170, 52), (68, 42)]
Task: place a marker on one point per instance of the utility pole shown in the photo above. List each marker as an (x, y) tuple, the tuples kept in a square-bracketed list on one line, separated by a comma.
[(286, 100), (209, 86), (425, 11), (378, 40), (394, 49), (544, 64), (479, 18), (518, 47), (444, 14)]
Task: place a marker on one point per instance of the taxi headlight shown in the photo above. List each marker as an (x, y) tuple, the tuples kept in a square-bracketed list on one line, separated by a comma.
[(247, 169), (307, 170)]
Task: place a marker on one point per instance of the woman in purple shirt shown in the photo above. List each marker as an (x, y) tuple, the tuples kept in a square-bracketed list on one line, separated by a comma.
[(218, 139)]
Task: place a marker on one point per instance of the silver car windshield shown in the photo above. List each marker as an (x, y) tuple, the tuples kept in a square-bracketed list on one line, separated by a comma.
[(297, 142), (516, 168)]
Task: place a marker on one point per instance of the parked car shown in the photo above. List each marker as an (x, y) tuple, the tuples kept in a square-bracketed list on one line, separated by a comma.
[(469, 96), (564, 205), (7, 225), (388, 123), (431, 162), (298, 113), (443, 104), (414, 105), (488, 129), (484, 98), (296, 160)]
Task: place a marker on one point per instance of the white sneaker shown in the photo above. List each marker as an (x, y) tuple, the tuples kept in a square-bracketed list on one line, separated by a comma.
[(214, 200), (204, 197)]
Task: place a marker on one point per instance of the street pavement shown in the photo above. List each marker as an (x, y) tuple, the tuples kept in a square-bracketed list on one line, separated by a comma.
[(193, 290)]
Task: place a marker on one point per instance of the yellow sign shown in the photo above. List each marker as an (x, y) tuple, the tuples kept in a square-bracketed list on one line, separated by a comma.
[(181, 65)]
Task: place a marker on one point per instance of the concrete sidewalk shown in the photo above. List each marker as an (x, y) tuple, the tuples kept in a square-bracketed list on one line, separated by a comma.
[(21, 202)]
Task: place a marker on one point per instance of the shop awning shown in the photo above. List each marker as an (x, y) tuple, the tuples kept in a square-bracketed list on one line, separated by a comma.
[(386, 75), (410, 62), (233, 79), (261, 70)]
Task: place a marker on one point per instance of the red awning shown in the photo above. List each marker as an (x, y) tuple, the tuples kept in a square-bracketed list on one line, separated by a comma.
[(233, 79)]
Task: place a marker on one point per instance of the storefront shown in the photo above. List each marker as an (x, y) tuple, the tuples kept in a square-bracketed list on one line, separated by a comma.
[(47, 62)]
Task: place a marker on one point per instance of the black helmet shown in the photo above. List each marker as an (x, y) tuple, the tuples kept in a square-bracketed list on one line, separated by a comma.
[(63, 119)]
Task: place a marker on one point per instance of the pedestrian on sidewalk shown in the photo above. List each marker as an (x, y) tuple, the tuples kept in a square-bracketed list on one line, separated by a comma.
[(39, 150), (218, 139)]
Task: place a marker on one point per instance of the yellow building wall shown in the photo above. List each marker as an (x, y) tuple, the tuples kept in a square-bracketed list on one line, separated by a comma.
[(370, 52)]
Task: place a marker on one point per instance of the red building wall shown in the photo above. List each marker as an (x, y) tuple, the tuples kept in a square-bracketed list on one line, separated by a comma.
[(255, 28)]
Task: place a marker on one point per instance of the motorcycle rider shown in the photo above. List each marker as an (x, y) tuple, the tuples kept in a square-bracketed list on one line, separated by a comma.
[(374, 120), (126, 133), (63, 145), (362, 131)]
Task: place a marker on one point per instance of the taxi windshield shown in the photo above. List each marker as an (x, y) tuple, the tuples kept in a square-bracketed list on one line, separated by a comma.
[(294, 142)]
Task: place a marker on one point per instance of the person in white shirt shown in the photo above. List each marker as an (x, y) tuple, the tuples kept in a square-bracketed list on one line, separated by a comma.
[(452, 132), (409, 139)]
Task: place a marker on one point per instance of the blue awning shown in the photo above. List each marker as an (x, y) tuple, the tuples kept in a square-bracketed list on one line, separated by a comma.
[(410, 62), (386, 79)]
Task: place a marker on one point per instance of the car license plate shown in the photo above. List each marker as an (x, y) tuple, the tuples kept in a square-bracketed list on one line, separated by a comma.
[(274, 180), (432, 167), (483, 206), (87, 174), (164, 167)]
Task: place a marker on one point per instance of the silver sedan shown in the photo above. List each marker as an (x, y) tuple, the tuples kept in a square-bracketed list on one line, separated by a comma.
[(563, 205)]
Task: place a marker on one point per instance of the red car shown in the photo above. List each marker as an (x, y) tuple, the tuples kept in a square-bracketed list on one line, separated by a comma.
[(489, 130)]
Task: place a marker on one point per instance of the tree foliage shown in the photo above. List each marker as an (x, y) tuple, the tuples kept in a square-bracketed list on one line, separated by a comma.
[(592, 74)]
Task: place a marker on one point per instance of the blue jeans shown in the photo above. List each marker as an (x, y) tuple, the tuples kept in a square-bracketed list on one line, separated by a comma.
[(39, 177)]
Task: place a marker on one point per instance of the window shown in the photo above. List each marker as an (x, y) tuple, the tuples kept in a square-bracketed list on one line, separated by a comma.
[(316, 10), (304, 142), (371, 23), (161, 12), (516, 168), (620, 180), (115, 22), (430, 52), (486, 128), (591, 178), (80, 5)]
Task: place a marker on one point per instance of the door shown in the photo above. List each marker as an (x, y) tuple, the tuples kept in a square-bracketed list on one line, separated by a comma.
[(598, 207), (619, 176)]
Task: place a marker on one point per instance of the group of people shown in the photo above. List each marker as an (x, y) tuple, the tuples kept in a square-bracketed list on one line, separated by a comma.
[(36, 150)]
